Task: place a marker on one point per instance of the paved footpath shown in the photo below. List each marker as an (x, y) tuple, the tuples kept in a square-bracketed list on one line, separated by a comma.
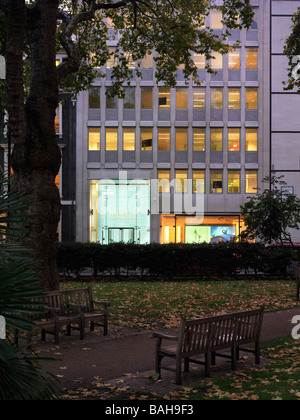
[(126, 357)]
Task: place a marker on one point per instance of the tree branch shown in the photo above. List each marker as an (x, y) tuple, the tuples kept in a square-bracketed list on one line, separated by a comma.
[(3, 6), (72, 64)]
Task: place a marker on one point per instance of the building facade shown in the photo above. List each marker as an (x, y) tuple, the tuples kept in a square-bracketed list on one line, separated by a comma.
[(213, 136)]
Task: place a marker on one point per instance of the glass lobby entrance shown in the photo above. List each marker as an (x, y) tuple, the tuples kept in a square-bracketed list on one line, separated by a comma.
[(120, 211)]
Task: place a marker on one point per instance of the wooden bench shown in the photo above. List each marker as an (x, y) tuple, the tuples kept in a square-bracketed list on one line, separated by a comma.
[(68, 308), (297, 275), (208, 336)]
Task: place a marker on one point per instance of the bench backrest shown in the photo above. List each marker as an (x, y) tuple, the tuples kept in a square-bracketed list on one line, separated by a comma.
[(61, 299), (198, 335)]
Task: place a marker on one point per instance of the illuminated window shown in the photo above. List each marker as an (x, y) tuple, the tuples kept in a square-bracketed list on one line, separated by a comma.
[(251, 182), (146, 98), (251, 98), (94, 98), (216, 182), (94, 138), (181, 138), (251, 139), (56, 122), (199, 139), (147, 62), (234, 98), (216, 20), (199, 182), (216, 98), (216, 139), (163, 177), (128, 139), (181, 98), (233, 139), (251, 58), (234, 59), (146, 138), (181, 181), (199, 60), (111, 139), (233, 182), (164, 98), (217, 61), (129, 100), (163, 139), (199, 98)]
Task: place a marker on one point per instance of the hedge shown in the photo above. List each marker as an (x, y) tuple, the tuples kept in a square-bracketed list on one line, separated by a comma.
[(221, 259)]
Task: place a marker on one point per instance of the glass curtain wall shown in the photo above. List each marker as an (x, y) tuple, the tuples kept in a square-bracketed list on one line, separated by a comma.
[(120, 211)]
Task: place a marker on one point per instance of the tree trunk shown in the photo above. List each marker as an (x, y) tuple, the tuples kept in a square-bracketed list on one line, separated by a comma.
[(36, 157)]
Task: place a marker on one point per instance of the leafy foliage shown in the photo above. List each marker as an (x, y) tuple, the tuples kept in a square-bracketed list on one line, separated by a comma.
[(271, 214), (21, 377), (292, 51)]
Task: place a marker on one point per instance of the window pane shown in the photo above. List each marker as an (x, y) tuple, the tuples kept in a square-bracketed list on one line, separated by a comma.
[(129, 139), (254, 24), (217, 61), (199, 60), (94, 98), (199, 98), (233, 182), (234, 98), (111, 139), (233, 139), (112, 103), (251, 139), (199, 139), (181, 138), (146, 98), (216, 182), (181, 181), (163, 181), (129, 100), (216, 20), (147, 62), (251, 98), (164, 98), (94, 138), (251, 182), (146, 138), (163, 139), (251, 58), (181, 98), (234, 60), (199, 182), (216, 98), (216, 139)]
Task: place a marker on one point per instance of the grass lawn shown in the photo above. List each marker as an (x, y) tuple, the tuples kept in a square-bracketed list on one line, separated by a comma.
[(161, 304)]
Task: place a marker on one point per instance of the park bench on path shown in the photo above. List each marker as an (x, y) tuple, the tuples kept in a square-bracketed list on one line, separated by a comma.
[(207, 336), (68, 308)]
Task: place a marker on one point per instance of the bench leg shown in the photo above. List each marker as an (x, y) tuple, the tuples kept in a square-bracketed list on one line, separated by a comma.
[(178, 372), (208, 359), (82, 324), (213, 358), (186, 364), (257, 353), (92, 328), (69, 330), (43, 334), (16, 337), (233, 356), (158, 360)]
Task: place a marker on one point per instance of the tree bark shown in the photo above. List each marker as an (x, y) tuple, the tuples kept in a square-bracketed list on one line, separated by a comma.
[(36, 156)]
